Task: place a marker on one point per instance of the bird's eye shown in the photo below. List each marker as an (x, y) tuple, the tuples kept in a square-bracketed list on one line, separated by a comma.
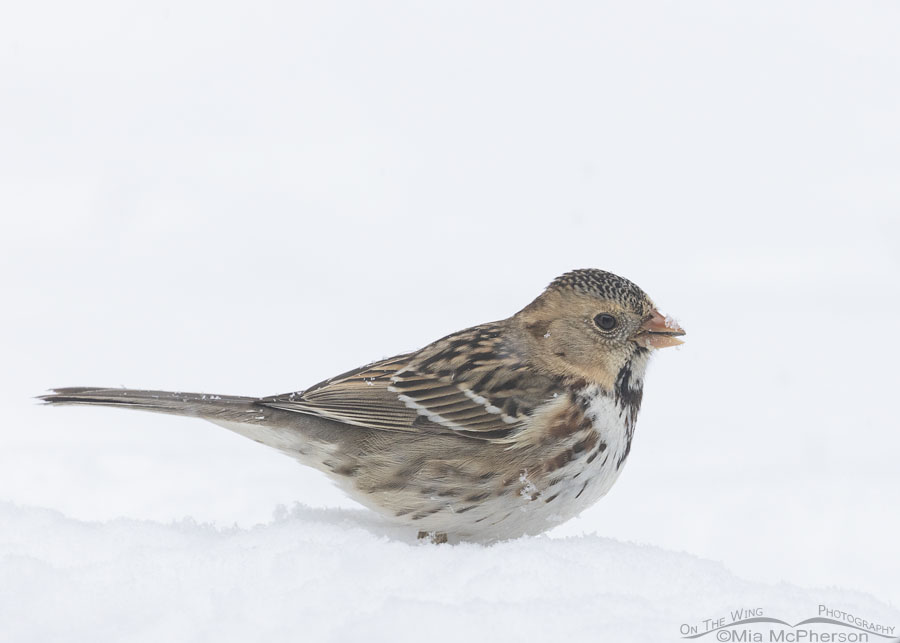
[(605, 321)]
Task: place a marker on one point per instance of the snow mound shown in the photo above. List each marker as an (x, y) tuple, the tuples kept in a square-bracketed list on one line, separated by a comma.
[(339, 575)]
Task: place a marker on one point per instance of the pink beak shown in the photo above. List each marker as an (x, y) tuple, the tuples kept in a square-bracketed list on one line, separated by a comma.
[(658, 332)]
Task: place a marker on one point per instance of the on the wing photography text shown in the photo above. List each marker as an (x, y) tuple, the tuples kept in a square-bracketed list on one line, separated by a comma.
[(753, 625)]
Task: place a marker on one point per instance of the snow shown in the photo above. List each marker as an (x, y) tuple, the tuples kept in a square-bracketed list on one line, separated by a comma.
[(671, 322), (247, 199), (327, 574)]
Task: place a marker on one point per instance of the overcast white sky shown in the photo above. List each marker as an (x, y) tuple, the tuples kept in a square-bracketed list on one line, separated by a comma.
[(251, 197)]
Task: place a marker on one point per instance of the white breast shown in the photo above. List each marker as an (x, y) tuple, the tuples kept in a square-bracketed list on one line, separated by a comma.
[(585, 483), (541, 506)]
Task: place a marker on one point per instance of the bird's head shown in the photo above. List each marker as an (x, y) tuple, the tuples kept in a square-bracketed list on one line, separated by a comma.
[(590, 324)]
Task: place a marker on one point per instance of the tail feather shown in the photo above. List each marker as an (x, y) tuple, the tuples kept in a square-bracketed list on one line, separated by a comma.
[(301, 436), (211, 407)]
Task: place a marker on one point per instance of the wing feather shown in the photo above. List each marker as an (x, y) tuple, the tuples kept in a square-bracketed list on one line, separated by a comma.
[(468, 383)]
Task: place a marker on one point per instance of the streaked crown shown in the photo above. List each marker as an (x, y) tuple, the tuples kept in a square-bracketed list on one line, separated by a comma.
[(605, 285)]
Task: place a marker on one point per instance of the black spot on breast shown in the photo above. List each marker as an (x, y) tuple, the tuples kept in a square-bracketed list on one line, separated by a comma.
[(586, 443), (600, 449), (559, 460), (627, 397), (625, 454), (583, 487), (564, 425)]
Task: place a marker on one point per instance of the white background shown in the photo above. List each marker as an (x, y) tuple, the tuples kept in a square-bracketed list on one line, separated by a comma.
[(250, 197)]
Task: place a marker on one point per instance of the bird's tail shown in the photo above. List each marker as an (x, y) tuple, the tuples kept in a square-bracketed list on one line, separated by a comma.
[(291, 433), (210, 407)]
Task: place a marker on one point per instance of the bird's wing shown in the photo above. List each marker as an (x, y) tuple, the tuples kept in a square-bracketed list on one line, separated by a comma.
[(359, 397), (469, 383)]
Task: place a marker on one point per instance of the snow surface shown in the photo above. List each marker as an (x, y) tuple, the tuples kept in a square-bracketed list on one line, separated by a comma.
[(339, 575), (250, 197)]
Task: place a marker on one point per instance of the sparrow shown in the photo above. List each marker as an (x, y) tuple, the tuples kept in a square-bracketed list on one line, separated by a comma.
[(500, 430)]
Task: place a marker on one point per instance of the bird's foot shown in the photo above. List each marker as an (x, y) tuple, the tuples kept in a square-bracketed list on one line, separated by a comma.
[(436, 537)]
